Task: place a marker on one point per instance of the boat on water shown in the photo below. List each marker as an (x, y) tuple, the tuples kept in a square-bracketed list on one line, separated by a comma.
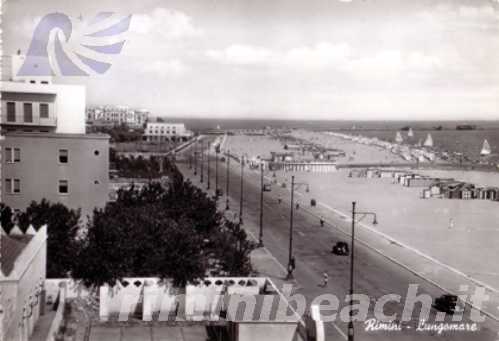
[(398, 137), (429, 141), (485, 148), (410, 133)]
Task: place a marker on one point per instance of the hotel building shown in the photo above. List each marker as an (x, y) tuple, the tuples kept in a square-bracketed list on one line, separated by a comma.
[(46, 153)]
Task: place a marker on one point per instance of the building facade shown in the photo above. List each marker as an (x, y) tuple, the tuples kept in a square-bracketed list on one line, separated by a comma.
[(72, 169), (22, 277), (116, 115), (48, 153), (160, 131), (34, 103)]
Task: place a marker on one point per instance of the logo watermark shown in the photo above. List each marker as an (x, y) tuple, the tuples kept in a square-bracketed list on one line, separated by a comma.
[(392, 312), (67, 46)]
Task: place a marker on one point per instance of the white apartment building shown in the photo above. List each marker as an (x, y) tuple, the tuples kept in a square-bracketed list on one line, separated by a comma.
[(117, 115), (160, 131), (35, 104)]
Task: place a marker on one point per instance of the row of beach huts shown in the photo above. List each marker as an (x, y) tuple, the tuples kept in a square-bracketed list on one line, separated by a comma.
[(447, 188)]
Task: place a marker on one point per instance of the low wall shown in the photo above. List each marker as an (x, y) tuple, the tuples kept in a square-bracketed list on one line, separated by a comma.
[(73, 289), (55, 326)]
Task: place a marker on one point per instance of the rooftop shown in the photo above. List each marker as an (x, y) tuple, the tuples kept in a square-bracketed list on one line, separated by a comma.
[(11, 248)]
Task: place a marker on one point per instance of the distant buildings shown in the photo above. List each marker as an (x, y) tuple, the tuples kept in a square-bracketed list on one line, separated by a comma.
[(116, 115), (45, 152), (22, 277), (162, 131)]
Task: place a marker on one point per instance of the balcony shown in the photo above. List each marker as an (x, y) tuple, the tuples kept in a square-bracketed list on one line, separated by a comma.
[(35, 122)]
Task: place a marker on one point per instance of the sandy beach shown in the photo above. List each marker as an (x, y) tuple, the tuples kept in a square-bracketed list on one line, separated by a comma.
[(460, 233)]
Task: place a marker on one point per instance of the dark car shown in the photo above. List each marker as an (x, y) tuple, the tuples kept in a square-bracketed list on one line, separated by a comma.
[(447, 303), (340, 249)]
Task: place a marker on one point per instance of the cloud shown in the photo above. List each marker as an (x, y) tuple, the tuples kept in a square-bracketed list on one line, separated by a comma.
[(167, 23), (319, 56), (170, 67), (326, 56), (241, 55)]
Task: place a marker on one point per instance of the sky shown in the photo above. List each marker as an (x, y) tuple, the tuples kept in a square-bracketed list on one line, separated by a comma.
[(290, 59)]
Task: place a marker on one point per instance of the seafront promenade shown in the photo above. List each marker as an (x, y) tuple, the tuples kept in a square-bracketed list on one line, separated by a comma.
[(375, 273)]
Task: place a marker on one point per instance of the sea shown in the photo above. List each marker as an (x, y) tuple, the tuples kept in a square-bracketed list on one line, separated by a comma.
[(444, 133)]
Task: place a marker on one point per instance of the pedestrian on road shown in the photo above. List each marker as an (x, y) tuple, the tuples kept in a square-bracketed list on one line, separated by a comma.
[(279, 199), (325, 279), (297, 204), (322, 221)]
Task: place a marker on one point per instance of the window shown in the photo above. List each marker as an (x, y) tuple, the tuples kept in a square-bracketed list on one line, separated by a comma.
[(17, 186), (17, 155), (63, 155), (63, 187), (11, 111), (28, 112), (44, 110), (13, 186), (8, 155), (12, 155)]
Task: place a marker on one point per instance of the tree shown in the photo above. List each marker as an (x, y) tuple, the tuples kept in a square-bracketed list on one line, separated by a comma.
[(62, 230), (173, 233), (6, 217)]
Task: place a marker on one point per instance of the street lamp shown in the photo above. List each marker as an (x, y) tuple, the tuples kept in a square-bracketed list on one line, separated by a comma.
[(375, 222), (242, 189), (216, 172), (227, 180), (208, 158), (260, 235), (202, 163), (196, 158), (291, 258)]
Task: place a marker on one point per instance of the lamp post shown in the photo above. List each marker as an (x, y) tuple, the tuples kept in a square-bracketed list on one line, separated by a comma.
[(352, 243), (216, 172), (291, 259), (242, 189), (202, 164), (196, 158), (260, 235), (208, 158), (227, 181)]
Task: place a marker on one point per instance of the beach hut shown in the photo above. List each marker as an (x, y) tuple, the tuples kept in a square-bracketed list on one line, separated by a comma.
[(420, 182), (467, 192), (372, 173), (478, 193), (426, 193), (492, 193), (435, 188), (452, 190)]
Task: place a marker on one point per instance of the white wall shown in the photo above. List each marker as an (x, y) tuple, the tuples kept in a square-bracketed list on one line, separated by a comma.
[(69, 103), (266, 331)]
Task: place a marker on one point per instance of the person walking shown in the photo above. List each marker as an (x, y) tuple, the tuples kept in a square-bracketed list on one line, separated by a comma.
[(279, 199), (325, 279), (321, 221)]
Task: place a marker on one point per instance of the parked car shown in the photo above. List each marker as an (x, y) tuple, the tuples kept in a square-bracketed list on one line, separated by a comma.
[(448, 303), (267, 187), (340, 249)]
